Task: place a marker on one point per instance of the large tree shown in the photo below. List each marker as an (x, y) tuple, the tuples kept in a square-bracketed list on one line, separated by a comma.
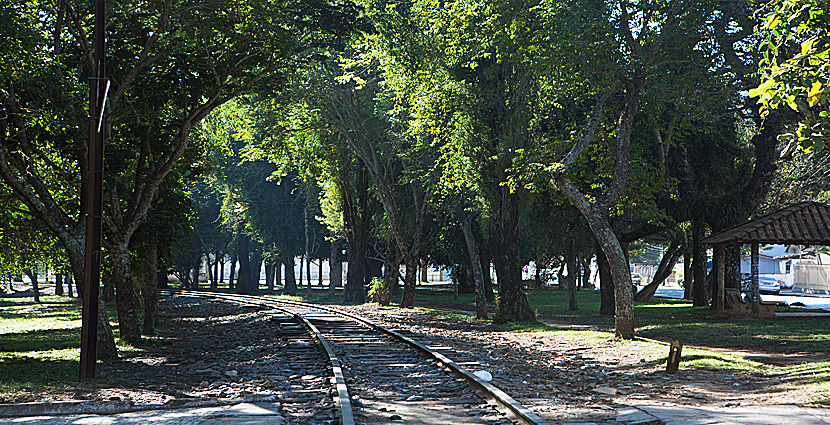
[(170, 64), (42, 132)]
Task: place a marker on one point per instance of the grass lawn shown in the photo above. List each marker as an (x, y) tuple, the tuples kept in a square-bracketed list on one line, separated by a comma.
[(665, 319), (39, 343), (660, 319)]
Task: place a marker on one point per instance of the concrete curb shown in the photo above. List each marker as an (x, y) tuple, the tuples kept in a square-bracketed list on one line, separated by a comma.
[(65, 408), (635, 416), (107, 407)]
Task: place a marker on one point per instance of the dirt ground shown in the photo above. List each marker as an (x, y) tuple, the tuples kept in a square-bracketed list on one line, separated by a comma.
[(553, 373)]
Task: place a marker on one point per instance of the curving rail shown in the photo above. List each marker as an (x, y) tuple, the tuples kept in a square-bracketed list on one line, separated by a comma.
[(506, 404)]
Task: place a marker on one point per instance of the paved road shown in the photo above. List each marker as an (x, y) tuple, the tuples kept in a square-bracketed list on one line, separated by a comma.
[(268, 414), (807, 301), (740, 415), (261, 413)]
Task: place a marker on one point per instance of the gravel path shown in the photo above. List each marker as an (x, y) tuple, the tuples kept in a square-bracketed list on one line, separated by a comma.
[(208, 349)]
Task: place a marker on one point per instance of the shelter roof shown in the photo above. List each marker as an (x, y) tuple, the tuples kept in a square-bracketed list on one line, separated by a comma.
[(805, 223)]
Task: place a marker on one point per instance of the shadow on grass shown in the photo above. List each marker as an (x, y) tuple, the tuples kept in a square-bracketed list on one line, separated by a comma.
[(65, 302), (664, 320), (40, 340), (61, 313), (24, 372)]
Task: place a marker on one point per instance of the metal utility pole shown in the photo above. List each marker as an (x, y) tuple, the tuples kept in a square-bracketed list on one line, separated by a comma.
[(94, 197)]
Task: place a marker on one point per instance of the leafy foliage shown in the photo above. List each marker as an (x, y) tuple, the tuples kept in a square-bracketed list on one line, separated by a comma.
[(795, 69)]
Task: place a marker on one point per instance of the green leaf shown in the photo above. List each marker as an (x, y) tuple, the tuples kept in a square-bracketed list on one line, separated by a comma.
[(815, 93), (763, 88), (772, 23), (807, 46), (790, 100)]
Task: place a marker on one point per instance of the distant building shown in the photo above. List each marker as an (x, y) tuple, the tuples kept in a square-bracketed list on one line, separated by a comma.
[(782, 262)]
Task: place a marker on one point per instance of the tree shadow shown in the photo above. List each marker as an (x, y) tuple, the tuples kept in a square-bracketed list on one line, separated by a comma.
[(25, 372), (40, 340)]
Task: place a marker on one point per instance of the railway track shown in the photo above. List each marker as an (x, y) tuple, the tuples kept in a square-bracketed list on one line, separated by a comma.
[(374, 375)]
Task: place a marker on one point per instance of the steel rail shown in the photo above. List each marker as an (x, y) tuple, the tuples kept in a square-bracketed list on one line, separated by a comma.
[(512, 408), (342, 399), (508, 405)]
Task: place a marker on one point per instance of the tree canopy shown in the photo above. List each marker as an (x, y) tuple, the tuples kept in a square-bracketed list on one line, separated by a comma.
[(467, 134)]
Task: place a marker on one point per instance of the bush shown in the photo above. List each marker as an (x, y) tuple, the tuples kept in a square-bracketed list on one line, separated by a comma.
[(379, 291)]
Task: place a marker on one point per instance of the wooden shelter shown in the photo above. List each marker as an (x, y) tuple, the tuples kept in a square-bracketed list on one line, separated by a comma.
[(805, 223)]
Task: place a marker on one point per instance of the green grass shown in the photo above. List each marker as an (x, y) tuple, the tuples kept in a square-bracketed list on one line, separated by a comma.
[(664, 320), (39, 343), (813, 377)]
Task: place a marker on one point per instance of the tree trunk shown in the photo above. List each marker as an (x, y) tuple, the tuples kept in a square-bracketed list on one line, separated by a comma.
[(307, 253), (664, 270), (320, 273), (32, 273), (209, 271), (308, 274), (408, 296), (290, 280), (355, 290), (67, 279), (150, 291), (335, 267), (753, 270), (512, 302), (484, 260), (108, 292), (278, 273), (699, 266), (586, 275), (561, 280), (231, 281), (212, 271), (623, 292), (194, 277), (245, 283), (383, 296), (396, 290), (72, 240), (475, 260), (687, 274), (269, 277), (124, 290), (59, 284), (606, 285), (215, 282), (257, 261), (571, 258), (302, 263), (222, 269), (733, 266)]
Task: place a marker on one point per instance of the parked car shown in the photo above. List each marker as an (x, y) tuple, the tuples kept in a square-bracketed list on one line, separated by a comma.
[(636, 279), (766, 285)]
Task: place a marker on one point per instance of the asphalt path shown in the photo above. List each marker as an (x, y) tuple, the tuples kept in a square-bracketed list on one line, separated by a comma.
[(790, 299)]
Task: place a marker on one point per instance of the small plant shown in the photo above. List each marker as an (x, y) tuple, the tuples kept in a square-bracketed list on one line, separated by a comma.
[(379, 291)]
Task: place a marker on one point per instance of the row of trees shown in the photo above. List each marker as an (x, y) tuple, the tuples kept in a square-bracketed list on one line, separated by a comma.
[(462, 133)]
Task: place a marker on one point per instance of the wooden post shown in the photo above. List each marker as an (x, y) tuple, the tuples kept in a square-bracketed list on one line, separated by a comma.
[(94, 198), (673, 362), (756, 296), (721, 278)]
